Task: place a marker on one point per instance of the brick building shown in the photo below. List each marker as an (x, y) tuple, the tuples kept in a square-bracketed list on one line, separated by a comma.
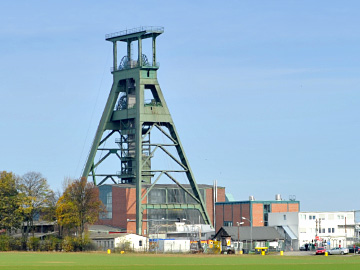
[(120, 203), (229, 213)]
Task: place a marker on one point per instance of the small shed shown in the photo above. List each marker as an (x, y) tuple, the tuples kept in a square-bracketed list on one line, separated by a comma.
[(133, 242), (174, 245), (122, 241)]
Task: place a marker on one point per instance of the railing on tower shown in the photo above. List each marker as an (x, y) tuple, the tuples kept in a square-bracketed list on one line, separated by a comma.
[(157, 29)]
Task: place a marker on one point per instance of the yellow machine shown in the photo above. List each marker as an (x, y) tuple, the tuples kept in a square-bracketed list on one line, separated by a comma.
[(260, 250)]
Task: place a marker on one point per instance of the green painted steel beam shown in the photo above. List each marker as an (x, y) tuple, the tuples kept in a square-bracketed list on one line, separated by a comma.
[(128, 115)]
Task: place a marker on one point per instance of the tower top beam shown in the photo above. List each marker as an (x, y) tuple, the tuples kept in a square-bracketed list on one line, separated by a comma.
[(135, 33)]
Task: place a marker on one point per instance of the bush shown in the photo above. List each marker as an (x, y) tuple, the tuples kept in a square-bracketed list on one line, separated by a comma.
[(8, 243), (15, 243), (4, 242), (68, 244), (34, 243), (51, 244), (78, 244), (124, 246)]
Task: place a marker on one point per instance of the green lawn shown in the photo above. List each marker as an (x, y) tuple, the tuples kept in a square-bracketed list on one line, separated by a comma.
[(88, 261)]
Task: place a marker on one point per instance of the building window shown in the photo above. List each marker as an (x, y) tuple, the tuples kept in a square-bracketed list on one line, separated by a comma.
[(108, 206), (284, 217), (106, 198), (140, 243), (332, 230), (266, 219), (228, 223), (329, 230), (303, 216), (340, 216), (267, 208), (323, 230)]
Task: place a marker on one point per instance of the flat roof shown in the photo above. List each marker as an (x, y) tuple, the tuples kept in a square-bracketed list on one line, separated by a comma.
[(159, 185), (256, 201), (135, 33)]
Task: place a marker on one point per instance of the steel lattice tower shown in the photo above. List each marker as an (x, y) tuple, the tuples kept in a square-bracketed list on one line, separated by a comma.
[(129, 116)]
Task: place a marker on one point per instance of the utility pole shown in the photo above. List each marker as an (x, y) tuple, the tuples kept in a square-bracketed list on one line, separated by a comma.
[(238, 225), (251, 235)]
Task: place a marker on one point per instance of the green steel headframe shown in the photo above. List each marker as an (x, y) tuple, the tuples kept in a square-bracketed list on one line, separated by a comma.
[(129, 116)]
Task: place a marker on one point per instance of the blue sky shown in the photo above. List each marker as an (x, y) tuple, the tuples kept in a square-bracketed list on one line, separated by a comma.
[(264, 94)]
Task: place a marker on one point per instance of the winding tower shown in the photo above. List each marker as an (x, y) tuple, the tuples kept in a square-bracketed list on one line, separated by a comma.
[(131, 119)]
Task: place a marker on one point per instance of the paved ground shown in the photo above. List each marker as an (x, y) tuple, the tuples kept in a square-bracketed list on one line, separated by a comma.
[(299, 253), (307, 253)]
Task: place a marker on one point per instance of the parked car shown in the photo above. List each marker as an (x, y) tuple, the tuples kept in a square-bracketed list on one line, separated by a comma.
[(338, 251), (351, 249), (302, 248), (320, 251)]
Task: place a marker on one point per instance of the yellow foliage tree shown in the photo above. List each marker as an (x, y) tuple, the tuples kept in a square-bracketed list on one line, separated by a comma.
[(78, 206)]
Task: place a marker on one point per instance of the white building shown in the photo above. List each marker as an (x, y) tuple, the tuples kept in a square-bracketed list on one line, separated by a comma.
[(330, 229), (127, 242), (174, 246)]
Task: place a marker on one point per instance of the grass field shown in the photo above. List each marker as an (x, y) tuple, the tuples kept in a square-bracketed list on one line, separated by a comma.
[(89, 261)]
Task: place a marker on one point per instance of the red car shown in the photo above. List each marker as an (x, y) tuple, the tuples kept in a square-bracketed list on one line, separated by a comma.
[(320, 251)]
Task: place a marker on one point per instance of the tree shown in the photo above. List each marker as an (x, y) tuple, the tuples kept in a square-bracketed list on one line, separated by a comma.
[(79, 205), (37, 196), (10, 202)]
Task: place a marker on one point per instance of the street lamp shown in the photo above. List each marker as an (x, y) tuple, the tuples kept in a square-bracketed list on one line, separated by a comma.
[(251, 225), (238, 225)]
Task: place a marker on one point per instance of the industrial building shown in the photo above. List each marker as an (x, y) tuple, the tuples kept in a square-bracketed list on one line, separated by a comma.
[(330, 229), (252, 212), (120, 202)]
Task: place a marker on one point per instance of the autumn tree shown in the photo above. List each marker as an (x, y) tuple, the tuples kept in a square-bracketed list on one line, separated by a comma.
[(79, 205), (37, 196), (10, 202)]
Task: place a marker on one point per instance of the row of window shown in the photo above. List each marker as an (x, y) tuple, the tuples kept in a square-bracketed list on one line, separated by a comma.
[(321, 230), (228, 223), (325, 216), (105, 243)]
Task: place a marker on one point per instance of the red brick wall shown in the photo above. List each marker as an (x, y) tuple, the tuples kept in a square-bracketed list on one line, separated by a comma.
[(209, 202), (118, 198), (221, 195), (293, 207), (236, 213), (257, 214), (232, 212), (245, 210), (278, 207), (130, 210), (219, 216), (228, 212)]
